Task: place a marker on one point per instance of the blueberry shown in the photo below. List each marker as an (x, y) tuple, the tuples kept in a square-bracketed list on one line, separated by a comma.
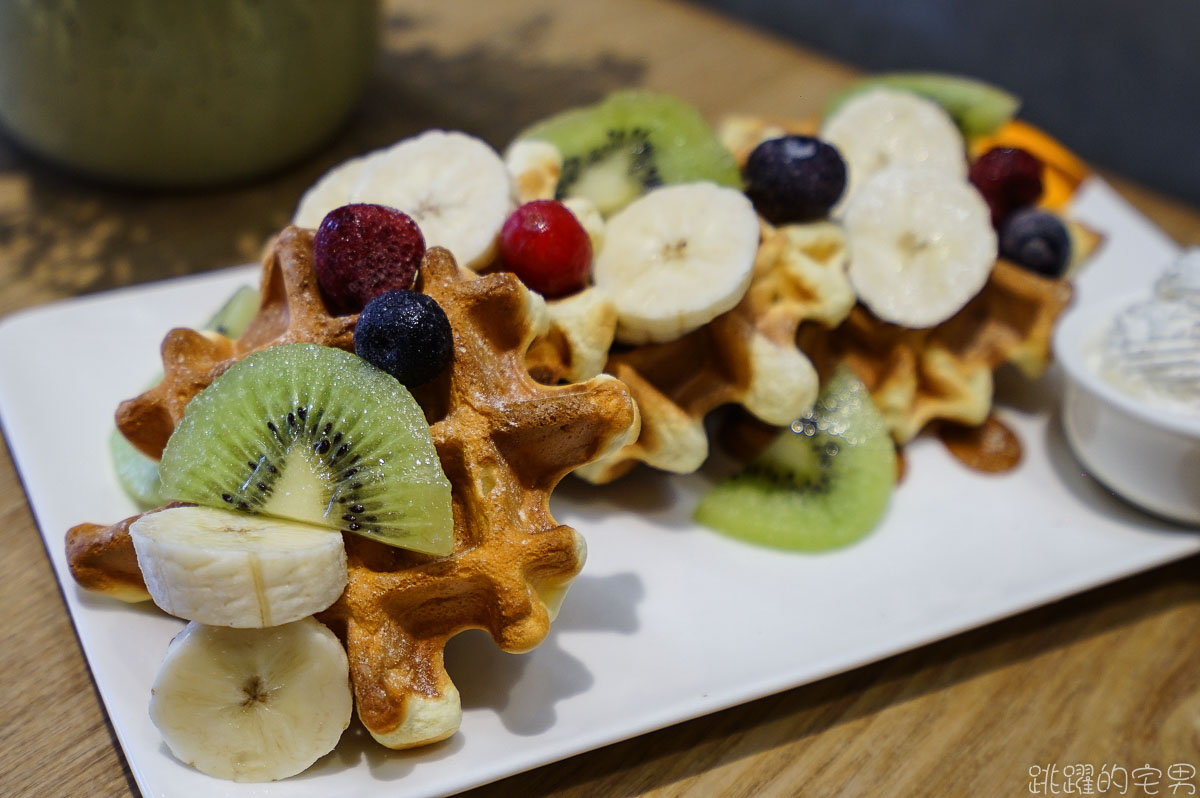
[(1037, 240), (794, 178), (405, 333)]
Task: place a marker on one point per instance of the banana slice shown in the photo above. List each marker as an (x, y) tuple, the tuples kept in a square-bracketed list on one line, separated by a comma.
[(252, 704), (455, 186), (881, 127), (236, 569), (920, 244), (676, 258), (332, 190), (535, 167), (589, 217)]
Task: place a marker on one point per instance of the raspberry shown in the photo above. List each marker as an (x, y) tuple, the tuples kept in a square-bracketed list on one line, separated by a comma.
[(1008, 178), (545, 245), (361, 251)]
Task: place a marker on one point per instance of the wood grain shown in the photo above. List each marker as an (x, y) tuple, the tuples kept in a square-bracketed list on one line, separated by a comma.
[(1111, 676)]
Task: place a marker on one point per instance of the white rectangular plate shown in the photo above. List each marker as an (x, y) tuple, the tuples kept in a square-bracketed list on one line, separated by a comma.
[(633, 649)]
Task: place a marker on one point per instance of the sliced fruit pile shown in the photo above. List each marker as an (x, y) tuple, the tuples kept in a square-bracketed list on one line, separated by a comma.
[(691, 278), (304, 479), (287, 448), (948, 228), (929, 354)]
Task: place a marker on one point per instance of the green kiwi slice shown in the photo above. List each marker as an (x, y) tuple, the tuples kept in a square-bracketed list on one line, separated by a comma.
[(978, 108), (821, 484), (631, 142), (136, 473), (237, 312), (316, 435)]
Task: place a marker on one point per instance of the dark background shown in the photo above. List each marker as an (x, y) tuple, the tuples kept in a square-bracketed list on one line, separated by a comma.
[(1118, 81)]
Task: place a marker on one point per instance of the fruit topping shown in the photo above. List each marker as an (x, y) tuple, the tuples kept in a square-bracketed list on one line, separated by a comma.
[(1037, 240), (333, 189), (1008, 178), (978, 108), (823, 483), (316, 435), (136, 473), (794, 178), (546, 246), (881, 127), (363, 250), (252, 704), (1063, 170), (232, 317), (227, 568), (632, 142), (454, 186), (676, 258), (407, 334), (921, 244)]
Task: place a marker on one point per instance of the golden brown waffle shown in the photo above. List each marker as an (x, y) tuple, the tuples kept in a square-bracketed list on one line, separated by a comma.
[(945, 372), (746, 356), (292, 310), (505, 442), (102, 560)]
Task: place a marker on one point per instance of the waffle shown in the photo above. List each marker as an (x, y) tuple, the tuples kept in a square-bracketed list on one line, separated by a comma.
[(504, 440), (745, 356), (292, 310), (945, 372), (102, 560)]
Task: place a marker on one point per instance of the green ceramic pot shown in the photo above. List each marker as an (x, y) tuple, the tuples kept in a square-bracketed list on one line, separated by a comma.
[(181, 92)]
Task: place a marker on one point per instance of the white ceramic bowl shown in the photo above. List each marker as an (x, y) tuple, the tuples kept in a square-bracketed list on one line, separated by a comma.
[(1149, 456)]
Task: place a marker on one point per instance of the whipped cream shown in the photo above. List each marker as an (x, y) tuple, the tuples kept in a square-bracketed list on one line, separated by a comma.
[(1181, 280), (1152, 349)]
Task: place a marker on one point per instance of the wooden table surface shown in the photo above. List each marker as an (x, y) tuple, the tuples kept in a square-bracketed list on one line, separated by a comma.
[(1110, 677)]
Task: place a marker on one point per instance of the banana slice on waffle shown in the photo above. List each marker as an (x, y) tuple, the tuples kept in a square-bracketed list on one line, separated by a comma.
[(505, 442)]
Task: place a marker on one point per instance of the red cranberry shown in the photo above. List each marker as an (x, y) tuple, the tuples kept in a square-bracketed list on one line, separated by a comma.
[(545, 245)]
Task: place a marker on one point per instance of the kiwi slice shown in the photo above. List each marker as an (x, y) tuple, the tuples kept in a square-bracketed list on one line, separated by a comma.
[(233, 317), (631, 142), (136, 473), (978, 108), (821, 484), (317, 435)]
